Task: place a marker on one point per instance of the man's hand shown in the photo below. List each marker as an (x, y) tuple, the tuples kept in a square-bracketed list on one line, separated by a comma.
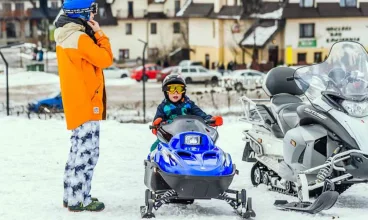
[(94, 25)]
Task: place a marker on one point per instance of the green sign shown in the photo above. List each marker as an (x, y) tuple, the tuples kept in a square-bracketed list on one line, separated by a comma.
[(308, 43)]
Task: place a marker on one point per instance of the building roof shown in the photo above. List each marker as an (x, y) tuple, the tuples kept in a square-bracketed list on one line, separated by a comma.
[(155, 15), (263, 32), (37, 13), (198, 10), (324, 10), (227, 11)]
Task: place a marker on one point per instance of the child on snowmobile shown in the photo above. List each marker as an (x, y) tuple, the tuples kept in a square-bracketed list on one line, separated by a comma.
[(177, 103)]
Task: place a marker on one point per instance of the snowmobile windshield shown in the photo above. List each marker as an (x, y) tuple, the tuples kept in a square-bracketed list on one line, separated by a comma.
[(344, 74), (187, 123)]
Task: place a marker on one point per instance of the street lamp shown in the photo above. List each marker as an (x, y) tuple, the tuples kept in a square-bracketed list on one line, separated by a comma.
[(144, 79), (7, 73)]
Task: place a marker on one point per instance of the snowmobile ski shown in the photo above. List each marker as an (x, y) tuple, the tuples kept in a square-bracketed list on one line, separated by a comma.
[(324, 202)]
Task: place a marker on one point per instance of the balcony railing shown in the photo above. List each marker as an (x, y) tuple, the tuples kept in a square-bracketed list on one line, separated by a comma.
[(14, 14)]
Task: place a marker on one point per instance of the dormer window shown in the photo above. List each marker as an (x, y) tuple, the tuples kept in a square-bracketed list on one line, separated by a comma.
[(306, 3), (348, 3)]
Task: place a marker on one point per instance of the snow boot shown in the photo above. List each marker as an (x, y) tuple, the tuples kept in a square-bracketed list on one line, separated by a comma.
[(94, 206), (65, 204)]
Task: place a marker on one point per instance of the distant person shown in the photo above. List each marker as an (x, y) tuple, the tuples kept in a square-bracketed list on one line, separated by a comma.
[(83, 51), (40, 55)]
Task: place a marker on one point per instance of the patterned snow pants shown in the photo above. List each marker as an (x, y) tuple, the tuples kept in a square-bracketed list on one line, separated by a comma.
[(83, 157)]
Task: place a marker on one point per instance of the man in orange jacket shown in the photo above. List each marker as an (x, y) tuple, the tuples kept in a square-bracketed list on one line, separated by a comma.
[(83, 50)]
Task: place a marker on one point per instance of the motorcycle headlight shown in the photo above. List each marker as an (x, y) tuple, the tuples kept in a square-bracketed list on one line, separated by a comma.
[(192, 139), (355, 109)]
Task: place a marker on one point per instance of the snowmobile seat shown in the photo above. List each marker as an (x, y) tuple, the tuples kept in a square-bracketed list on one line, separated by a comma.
[(285, 106)]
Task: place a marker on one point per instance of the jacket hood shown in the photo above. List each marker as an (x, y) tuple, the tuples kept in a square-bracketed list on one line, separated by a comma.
[(67, 26)]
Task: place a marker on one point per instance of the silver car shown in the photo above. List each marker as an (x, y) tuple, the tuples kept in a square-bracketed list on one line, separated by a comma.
[(248, 79)]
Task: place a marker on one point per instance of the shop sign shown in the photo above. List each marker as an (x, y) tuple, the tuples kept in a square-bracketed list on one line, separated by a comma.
[(308, 43), (339, 34)]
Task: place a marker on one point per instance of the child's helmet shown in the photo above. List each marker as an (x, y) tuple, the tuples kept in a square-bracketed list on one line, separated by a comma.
[(173, 79), (79, 8)]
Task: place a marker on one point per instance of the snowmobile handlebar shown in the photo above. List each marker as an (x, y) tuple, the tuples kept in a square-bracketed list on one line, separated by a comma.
[(208, 122)]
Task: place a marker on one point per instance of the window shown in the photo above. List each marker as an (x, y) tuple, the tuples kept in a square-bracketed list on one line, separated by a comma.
[(177, 6), (102, 12), (128, 29), (123, 54), (19, 7), (184, 70), (7, 7), (302, 57), (348, 3), (306, 3), (201, 70), (152, 52), (193, 70), (176, 28), (306, 30), (11, 30), (54, 4), (130, 9), (317, 57), (153, 28)]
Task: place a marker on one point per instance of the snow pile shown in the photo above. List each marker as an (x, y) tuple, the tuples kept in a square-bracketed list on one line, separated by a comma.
[(29, 78), (262, 35), (33, 162), (185, 6), (46, 56), (11, 70), (271, 15)]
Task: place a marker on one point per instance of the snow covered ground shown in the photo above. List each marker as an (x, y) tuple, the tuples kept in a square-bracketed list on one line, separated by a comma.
[(30, 78), (34, 152)]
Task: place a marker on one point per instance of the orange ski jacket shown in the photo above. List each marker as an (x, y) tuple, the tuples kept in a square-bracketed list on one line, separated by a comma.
[(80, 63)]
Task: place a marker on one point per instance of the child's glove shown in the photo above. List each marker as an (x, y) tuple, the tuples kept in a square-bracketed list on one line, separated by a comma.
[(155, 123), (218, 121)]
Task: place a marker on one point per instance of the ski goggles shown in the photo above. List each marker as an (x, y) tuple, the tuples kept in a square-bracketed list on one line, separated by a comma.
[(179, 88), (93, 9)]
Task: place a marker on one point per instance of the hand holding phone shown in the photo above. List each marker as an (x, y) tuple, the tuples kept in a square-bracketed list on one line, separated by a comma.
[(94, 25)]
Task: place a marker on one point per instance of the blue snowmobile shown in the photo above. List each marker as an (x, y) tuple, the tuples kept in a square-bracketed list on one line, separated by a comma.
[(186, 165)]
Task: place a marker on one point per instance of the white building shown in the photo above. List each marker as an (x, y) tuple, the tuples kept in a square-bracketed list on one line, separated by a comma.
[(19, 19), (221, 31), (152, 21), (312, 26)]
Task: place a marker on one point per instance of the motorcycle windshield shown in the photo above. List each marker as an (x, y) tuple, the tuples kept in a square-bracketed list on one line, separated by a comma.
[(344, 73), (189, 123)]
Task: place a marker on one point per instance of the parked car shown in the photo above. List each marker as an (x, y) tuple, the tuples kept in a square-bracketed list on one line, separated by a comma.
[(246, 79), (198, 74), (186, 63), (151, 72), (165, 72), (115, 72), (52, 104)]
